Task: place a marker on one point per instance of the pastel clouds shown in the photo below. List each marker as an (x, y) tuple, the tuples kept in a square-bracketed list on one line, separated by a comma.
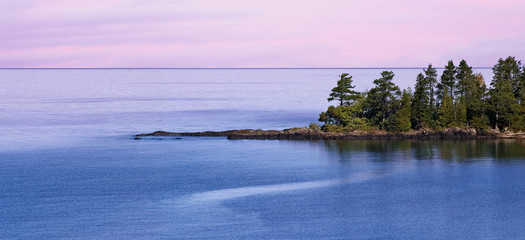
[(237, 33)]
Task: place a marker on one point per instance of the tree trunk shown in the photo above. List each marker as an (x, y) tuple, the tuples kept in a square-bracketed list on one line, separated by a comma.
[(497, 120)]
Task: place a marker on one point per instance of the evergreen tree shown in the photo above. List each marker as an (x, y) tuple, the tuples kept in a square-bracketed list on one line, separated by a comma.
[(459, 99), (502, 103), (519, 123), (460, 112), (480, 123), (345, 118), (474, 97), (470, 89), (506, 99), (348, 115), (521, 87), (463, 73), (510, 70), (400, 121), (343, 91), (421, 112), (478, 116), (334, 115), (446, 111), (431, 80), (448, 80), (381, 100)]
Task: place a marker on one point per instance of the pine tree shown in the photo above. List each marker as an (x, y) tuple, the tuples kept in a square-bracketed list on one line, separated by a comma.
[(520, 95), (459, 99), (474, 97), (421, 112), (343, 91), (470, 89), (448, 79), (460, 112), (446, 111), (505, 94), (353, 118), (502, 103), (431, 80), (509, 70), (400, 121), (345, 118), (348, 115), (381, 100), (521, 87), (463, 72)]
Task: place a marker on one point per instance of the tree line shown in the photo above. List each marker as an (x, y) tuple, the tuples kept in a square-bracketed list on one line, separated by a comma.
[(459, 98)]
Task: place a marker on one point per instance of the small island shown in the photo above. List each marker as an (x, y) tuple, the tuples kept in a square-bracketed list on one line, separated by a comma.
[(458, 106)]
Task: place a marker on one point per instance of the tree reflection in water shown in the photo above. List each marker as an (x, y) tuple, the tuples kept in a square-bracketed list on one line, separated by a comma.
[(460, 151)]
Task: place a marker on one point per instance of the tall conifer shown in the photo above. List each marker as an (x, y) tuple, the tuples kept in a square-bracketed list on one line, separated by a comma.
[(509, 70), (381, 100), (431, 81), (446, 111), (400, 120), (463, 73), (502, 103), (343, 91), (421, 112), (448, 79)]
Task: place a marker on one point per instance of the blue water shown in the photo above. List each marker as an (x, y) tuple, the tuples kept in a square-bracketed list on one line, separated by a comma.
[(70, 169)]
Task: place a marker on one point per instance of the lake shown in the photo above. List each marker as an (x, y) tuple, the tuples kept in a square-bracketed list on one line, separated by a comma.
[(70, 169)]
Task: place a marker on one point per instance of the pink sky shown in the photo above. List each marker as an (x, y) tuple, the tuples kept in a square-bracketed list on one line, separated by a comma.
[(255, 33)]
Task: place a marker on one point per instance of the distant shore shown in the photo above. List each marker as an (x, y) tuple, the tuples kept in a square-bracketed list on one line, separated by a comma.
[(310, 134)]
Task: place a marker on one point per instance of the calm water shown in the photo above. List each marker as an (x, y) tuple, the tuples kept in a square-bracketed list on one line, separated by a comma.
[(70, 169)]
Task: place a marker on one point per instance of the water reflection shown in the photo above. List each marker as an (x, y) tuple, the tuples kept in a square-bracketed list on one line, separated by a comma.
[(461, 151)]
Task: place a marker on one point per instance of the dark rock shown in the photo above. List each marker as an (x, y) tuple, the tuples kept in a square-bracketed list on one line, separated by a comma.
[(309, 134)]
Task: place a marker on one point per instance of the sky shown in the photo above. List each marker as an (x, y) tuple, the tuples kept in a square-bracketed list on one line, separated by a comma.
[(258, 34)]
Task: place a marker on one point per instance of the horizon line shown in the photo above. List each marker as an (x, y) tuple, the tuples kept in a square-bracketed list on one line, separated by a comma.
[(217, 68)]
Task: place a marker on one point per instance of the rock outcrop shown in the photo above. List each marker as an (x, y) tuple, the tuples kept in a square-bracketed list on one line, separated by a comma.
[(310, 134)]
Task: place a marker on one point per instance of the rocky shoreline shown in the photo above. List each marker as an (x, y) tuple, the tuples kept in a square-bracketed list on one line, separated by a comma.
[(311, 134)]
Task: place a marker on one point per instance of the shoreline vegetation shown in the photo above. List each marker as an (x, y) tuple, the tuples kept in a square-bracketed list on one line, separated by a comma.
[(457, 106)]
